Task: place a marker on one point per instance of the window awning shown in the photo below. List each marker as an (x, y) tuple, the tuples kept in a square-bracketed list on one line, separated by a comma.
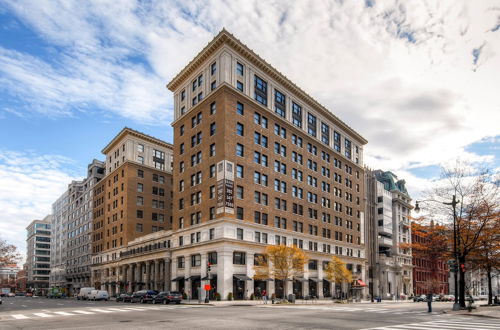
[(268, 279), (205, 278), (324, 279), (242, 277), (178, 278), (359, 283), (314, 279), (194, 277), (300, 279)]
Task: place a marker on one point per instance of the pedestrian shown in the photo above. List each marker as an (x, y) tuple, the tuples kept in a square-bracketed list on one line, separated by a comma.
[(429, 302), (264, 296)]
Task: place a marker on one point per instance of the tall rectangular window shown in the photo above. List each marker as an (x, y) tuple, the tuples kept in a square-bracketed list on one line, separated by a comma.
[(336, 141), (240, 108), (311, 124), (240, 150), (260, 90), (325, 133), (297, 115), (239, 68), (280, 103), (348, 148), (213, 68)]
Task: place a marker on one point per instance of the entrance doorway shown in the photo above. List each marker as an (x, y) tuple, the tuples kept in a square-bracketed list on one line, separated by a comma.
[(195, 286), (279, 288), (239, 288), (259, 287), (313, 288), (297, 289)]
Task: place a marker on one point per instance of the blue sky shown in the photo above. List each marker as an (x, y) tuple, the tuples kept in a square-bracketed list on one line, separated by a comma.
[(420, 82)]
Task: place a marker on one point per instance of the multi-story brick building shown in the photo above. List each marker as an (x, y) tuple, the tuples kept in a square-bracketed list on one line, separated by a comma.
[(38, 255), (388, 230), (58, 239), (132, 200), (258, 161)]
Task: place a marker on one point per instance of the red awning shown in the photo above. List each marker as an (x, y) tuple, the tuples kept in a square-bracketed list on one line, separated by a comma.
[(359, 283)]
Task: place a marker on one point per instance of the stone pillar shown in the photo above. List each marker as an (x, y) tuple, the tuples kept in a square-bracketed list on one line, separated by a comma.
[(203, 273), (225, 272), (271, 289), (157, 275), (147, 277), (129, 278), (167, 275), (320, 280), (137, 275), (249, 285)]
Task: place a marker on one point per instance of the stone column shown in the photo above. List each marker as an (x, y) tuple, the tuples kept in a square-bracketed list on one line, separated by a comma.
[(147, 277), (129, 278), (157, 275), (249, 285), (203, 273), (137, 275), (320, 280), (167, 276), (225, 272)]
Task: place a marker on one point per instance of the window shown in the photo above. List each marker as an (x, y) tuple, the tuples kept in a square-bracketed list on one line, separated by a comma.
[(280, 131), (239, 171), (239, 233), (348, 148), (140, 200), (213, 68), (213, 108), (181, 130), (311, 124), (296, 115), (313, 264), (239, 192), (239, 86), (212, 129), (239, 258), (140, 148), (240, 150), (239, 213), (140, 173), (260, 90), (212, 258), (240, 129), (212, 171), (196, 260), (212, 213), (280, 103), (239, 68), (211, 234), (336, 141), (183, 95), (140, 187), (138, 227), (213, 85), (260, 120), (181, 148), (325, 133), (180, 262), (140, 159), (260, 139), (240, 108), (200, 80), (212, 150), (139, 214)]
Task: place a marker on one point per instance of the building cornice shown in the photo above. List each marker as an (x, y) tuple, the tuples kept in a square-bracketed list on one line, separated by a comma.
[(226, 38), (128, 131)]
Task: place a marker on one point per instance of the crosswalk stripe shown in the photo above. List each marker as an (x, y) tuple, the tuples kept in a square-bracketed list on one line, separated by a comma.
[(117, 310), (482, 324), (83, 312), (460, 324), (100, 310), (20, 316), (43, 315), (63, 313)]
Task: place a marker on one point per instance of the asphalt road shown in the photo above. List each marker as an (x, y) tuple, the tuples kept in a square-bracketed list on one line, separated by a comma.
[(43, 313)]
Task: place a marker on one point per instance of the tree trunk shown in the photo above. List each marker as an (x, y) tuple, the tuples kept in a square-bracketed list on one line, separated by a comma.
[(461, 284), (490, 287)]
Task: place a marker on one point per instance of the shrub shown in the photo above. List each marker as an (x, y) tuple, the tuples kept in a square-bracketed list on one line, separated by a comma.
[(184, 296), (217, 296), (252, 297), (230, 296), (273, 296)]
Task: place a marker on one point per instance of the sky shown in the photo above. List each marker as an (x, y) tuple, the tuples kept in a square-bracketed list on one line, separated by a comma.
[(419, 80)]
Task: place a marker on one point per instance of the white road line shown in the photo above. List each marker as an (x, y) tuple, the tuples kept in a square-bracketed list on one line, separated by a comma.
[(117, 310), (43, 315), (100, 310), (83, 312), (63, 313), (494, 325), (19, 316), (133, 309)]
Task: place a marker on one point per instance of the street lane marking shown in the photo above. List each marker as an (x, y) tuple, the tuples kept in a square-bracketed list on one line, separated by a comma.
[(101, 310), (43, 315), (83, 312), (63, 313), (19, 316), (117, 310)]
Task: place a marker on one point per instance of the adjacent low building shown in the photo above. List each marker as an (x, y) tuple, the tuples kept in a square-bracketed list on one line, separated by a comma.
[(388, 230)]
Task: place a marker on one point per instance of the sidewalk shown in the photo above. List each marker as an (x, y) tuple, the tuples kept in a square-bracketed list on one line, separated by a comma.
[(297, 302), (485, 311)]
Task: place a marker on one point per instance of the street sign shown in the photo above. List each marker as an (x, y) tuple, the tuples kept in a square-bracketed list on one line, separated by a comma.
[(207, 287)]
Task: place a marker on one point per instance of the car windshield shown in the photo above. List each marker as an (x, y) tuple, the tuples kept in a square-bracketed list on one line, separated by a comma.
[(175, 292)]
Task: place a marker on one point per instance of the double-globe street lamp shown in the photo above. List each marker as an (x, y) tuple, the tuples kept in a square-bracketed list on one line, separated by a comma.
[(453, 203)]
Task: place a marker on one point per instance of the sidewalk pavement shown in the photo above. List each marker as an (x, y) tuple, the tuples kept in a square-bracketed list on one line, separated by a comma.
[(485, 311), (297, 302)]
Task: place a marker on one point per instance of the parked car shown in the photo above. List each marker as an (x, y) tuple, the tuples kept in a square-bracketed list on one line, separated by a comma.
[(98, 295), (0, 300), (11, 294), (125, 297), (167, 297), (420, 298), (20, 294), (29, 294), (144, 296), (84, 293)]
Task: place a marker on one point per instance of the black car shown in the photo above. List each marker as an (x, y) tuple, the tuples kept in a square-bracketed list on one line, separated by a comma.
[(144, 296), (167, 297), (125, 297)]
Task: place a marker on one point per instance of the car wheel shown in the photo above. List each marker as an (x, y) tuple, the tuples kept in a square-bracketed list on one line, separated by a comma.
[(142, 301), (165, 301), (153, 301), (177, 302)]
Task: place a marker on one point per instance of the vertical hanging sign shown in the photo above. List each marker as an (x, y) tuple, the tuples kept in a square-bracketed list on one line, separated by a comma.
[(225, 187)]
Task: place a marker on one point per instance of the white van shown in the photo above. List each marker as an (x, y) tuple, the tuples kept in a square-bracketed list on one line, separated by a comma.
[(98, 295), (84, 293)]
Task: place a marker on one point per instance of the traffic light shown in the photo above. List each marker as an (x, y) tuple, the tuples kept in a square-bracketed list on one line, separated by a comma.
[(209, 267), (462, 268), (453, 267)]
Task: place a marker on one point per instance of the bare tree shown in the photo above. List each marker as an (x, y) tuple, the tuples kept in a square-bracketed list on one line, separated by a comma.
[(8, 253)]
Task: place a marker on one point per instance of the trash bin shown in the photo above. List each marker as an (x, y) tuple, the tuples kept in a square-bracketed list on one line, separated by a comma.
[(291, 298)]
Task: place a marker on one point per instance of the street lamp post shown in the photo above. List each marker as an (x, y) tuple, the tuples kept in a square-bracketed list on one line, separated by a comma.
[(453, 203)]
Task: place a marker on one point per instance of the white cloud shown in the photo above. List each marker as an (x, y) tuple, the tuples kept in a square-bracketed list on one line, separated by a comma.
[(418, 79), (29, 183)]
